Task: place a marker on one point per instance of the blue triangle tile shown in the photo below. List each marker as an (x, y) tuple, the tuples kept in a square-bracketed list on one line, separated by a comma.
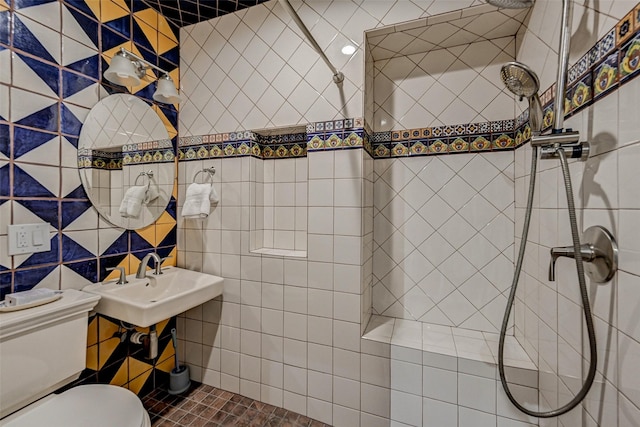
[(28, 279), (78, 193), (24, 39), (171, 58), (47, 210), (5, 284), (121, 26), (111, 39), (72, 211), (170, 238), (140, 38), (87, 269), (29, 139), (72, 250), (88, 25), (171, 208), (47, 73), (108, 262), (164, 252), (19, 4), (5, 27), (170, 113), (24, 185), (69, 122), (119, 246), (138, 243), (45, 257), (5, 147), (89, 66), (146, 92), (45, 119), (5, 188), (72, 140), (73, 83), (80, 5)]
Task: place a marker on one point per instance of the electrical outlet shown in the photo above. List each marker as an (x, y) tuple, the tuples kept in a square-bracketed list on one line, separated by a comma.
[(29, 238), (22, 239)]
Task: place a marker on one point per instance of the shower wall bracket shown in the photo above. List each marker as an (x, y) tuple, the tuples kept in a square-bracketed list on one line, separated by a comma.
[(599, 252)]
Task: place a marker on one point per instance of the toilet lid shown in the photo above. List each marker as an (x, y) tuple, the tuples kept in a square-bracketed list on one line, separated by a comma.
[(94, 405)]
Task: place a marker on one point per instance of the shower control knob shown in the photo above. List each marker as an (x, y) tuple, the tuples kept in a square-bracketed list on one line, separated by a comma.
[(599, 254)]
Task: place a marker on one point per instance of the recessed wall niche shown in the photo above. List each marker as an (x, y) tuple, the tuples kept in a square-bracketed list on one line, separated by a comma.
[(441, 70), (278, 192)]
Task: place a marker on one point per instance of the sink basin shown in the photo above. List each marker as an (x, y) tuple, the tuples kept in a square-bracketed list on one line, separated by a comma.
[(144, 302)]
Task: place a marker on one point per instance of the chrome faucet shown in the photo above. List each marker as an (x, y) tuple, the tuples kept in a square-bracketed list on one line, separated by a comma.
[(142, 268)]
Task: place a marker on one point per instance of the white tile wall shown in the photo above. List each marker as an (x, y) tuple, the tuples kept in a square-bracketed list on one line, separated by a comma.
[(442, 87), (434, 265), (551, 326)]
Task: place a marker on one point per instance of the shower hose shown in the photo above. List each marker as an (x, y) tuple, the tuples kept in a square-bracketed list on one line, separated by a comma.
[(583, 293)]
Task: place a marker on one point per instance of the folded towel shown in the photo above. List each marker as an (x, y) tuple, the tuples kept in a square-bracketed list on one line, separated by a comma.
[(132, 201), (197, 202)]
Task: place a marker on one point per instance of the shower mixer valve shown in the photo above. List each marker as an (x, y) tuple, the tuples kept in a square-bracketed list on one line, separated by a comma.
[(599, 252)]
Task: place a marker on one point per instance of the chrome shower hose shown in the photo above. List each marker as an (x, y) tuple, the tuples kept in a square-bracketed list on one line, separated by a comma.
[(586, 386)]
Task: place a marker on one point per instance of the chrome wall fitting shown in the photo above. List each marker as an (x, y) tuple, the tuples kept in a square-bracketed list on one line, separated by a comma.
[(580, 151), (599, 252)]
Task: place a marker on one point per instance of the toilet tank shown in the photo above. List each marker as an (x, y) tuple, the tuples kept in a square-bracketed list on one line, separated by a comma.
[(42, 348)]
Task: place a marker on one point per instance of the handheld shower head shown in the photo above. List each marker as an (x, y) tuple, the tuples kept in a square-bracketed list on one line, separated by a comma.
[(511, 4), (522, 81)]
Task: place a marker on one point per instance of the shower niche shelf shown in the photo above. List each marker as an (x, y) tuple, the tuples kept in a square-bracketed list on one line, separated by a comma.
[(278, 193), (440, 70)]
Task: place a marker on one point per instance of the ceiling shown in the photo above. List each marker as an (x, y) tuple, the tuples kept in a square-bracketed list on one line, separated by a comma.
[(187, 12)]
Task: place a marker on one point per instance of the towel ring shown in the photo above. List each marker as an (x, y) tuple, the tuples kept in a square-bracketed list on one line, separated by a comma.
[(149, 175), (211, 171)]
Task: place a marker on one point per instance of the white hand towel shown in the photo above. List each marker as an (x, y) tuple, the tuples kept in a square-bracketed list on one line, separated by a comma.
[(197, 202), (132, 201), (151, 194)]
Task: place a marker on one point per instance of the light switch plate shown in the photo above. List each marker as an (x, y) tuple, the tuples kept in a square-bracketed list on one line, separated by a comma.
[(29, 238)]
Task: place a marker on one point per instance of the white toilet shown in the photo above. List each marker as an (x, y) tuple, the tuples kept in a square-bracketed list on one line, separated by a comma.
[(44, 348)]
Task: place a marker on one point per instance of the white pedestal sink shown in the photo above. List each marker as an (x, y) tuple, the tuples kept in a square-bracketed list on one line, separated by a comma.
[(145, 302)]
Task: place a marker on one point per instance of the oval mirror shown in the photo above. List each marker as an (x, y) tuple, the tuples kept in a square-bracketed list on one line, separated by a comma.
[(126, 161)]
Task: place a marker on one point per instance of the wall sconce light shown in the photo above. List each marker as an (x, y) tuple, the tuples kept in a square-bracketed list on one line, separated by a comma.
[(127, 68)]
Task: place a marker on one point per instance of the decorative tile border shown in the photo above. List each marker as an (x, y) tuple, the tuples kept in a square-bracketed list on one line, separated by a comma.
[(328, 135), (97, 159)]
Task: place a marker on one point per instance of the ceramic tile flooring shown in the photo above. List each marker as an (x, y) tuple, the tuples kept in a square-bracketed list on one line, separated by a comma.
[(206, 406)]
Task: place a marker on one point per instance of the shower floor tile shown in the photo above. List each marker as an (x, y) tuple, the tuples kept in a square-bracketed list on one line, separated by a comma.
[(206, 406)]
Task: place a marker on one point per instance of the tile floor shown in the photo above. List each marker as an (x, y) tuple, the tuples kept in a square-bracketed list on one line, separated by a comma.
[(206, 406)]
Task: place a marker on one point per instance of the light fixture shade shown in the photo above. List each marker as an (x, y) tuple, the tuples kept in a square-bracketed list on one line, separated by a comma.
[(122, 71), (166, 91)]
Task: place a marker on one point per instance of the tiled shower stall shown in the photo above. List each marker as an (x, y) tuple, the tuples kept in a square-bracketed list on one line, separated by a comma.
[(366, 231)]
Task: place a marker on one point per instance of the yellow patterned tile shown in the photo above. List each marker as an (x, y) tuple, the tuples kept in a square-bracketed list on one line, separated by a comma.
[(136, 384), (106, 329), (92, 357), (148, 16), (105, 350), (137, 367), (148, 233), (165, 29), (133, 262), (149, 31), (161, 325), (122, 376), (162, 230), (170, 129), (165, 44), (165, 218), (3, 5), (166, 361), (92, 332), (112, 9)]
